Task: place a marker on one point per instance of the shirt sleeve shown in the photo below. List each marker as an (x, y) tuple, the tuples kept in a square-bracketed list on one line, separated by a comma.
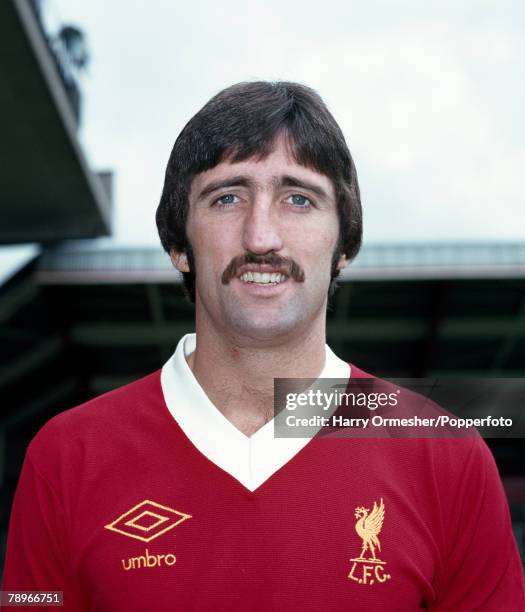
[(483, 570), (36, 556)]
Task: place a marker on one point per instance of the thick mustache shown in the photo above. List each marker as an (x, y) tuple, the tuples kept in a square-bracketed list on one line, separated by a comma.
[(292, 268)]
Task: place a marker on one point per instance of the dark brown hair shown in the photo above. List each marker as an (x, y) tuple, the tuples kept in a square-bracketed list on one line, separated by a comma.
[(243, 121)]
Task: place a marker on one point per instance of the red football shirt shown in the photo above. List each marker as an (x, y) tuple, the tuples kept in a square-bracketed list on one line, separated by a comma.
[(119, 510)]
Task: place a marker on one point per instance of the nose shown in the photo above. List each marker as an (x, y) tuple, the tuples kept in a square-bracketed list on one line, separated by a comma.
[(261, 232)]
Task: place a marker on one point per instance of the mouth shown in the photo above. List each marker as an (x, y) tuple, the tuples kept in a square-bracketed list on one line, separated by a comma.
[(262, 275), (263, 278)]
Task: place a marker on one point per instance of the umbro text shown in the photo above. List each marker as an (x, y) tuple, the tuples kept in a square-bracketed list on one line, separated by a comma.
[(147, 560)]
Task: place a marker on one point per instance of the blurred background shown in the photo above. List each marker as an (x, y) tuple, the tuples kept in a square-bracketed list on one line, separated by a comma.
[(92, 97)]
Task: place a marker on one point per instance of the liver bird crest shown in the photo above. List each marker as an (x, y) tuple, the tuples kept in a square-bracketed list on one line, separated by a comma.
[(368, 527)]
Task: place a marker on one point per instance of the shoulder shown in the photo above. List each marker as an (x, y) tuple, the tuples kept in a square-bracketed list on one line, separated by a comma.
[(99, 420), (445, 454)]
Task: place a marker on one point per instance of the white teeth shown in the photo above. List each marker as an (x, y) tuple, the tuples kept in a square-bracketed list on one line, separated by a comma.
[(264, 278)]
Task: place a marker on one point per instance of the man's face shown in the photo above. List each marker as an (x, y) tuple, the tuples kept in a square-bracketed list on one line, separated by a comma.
[(263, 235)]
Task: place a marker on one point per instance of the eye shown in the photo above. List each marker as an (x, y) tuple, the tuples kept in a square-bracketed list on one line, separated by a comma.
[(299, 200), (226, 200)]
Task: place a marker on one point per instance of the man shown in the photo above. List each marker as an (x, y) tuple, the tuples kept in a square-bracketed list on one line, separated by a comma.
[(173, 494)]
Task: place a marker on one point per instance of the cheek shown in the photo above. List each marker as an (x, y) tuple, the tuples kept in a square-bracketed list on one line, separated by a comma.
[(321, 242), (320, 248), (211, 252)]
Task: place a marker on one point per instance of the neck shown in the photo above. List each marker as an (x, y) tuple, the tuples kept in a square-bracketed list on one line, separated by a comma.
[(237, 373)]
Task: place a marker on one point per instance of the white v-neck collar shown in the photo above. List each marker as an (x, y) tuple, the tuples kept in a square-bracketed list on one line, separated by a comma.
[(250, 460)]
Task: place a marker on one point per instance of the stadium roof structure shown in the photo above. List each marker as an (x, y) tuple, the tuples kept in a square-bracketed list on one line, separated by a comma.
[(48, 192)]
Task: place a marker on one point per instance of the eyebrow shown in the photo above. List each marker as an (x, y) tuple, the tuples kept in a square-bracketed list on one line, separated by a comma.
[(243, 181), (235, 181), (291, 181)]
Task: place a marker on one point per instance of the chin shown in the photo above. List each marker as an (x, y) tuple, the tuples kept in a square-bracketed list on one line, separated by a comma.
[(265, 328)]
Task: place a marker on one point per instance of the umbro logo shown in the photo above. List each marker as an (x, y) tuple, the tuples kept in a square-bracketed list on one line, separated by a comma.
[(147, 521)]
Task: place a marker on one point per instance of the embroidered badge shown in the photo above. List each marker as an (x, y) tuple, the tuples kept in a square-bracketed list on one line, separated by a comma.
[(147, 521), (368, 568)]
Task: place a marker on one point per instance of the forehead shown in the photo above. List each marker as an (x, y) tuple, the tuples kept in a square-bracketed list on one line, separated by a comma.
[(266, 173)]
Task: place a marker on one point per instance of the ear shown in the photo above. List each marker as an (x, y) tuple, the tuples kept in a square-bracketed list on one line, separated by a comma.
[(179, 260), (342, 263)]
